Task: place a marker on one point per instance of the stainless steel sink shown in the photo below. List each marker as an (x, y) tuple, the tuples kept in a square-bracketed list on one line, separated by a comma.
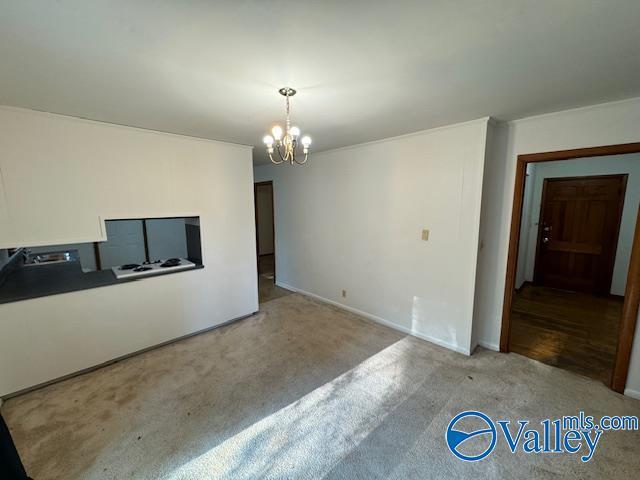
[(48, 258)]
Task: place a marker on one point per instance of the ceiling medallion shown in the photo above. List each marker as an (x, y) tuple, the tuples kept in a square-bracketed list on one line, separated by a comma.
[(286, 146)]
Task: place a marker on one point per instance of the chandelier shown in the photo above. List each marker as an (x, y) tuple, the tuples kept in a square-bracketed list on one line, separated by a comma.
[(286, 146)]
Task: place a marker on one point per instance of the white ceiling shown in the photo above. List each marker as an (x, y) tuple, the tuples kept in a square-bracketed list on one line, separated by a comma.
[(364, 69)]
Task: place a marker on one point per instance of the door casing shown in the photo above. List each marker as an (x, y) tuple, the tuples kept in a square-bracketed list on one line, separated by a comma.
[(632, 289)]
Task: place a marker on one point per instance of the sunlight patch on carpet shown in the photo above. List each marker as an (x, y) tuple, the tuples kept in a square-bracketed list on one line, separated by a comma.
[(308, 437)]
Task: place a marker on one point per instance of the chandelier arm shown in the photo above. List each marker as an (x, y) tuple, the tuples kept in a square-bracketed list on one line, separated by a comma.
[(274, 161), (294, 144), (306, 157), (283, 159)]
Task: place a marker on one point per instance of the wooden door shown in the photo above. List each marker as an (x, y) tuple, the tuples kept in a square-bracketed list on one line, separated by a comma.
[(578, 232)]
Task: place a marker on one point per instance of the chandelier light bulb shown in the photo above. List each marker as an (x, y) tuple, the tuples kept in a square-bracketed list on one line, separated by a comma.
[(294, 131), (268, 140), (277, 132), (306, 141)]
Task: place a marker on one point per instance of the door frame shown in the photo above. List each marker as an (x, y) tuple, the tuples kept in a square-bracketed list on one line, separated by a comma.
[(273, 223), (632, 289), (545, 183)]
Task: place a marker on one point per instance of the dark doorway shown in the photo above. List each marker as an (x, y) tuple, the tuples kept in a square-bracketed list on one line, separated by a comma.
[(578, 232), (265, 229), (265, 243)]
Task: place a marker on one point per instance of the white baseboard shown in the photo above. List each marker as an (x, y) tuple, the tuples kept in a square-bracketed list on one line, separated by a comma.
[(489, 345), (632, 393), (377, 319)]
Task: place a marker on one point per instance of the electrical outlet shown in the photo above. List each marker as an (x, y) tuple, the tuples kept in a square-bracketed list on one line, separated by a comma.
[(425, 234), (344, 294)]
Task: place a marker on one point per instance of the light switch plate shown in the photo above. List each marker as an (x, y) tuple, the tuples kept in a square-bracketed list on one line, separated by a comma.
[(425, 234)]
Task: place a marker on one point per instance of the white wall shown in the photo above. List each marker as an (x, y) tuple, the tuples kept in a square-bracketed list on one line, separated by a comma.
[(483, 267), (618, 164), (606, 124), (352, 219), (59, 174)]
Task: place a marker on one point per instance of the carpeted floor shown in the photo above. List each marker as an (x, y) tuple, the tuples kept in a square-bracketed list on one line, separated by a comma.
[(304, 390)]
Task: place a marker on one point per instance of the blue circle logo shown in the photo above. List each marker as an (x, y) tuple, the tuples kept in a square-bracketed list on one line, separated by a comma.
[(456, 438)]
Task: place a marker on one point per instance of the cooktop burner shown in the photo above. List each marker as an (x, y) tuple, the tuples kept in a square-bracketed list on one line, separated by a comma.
[(172, 262), (151, 262), (129, 266), (133, 270)]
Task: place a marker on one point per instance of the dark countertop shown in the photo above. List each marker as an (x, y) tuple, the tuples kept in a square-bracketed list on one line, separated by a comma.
[(25, 282)]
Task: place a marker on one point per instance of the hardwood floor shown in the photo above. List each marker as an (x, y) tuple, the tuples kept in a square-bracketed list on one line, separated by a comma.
[(573, 331)]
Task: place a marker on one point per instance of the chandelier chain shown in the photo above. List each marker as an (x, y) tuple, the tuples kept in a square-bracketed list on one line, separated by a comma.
[(288, 110)]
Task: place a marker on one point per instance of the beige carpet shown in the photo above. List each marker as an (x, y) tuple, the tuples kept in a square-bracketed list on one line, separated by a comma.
[(304, 390)]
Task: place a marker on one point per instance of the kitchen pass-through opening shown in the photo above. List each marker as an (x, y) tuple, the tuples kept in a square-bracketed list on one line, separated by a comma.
[(134, 248), (147, 246)]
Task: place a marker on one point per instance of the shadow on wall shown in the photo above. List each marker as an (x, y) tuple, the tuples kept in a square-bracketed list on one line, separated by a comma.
[(494, 236), (425, 321)]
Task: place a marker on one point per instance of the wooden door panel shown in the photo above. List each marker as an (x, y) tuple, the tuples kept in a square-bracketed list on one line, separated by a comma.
[(590, 228), (578, 232), (577, 247)]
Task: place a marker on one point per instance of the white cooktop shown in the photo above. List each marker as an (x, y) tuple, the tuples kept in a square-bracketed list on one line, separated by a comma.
[(151, 269)]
